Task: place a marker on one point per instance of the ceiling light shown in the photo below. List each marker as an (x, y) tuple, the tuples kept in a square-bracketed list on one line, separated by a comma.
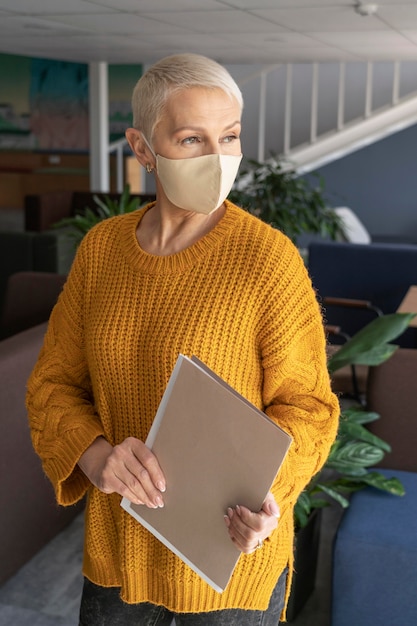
[(366, 8)]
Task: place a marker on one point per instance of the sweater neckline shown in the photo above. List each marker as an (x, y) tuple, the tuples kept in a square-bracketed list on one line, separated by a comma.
[(180, 261)]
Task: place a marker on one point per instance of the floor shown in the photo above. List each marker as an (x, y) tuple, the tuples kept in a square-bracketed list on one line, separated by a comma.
[(46, 591)]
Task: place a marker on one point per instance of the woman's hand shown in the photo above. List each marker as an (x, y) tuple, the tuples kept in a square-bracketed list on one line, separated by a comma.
[(129, 469), (247, 529)]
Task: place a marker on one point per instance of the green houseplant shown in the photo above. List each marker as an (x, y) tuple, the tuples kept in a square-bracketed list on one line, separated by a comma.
[(280, 197), (355, 449), (105, 207)]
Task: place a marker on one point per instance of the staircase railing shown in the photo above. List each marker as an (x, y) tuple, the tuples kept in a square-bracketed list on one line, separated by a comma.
[(292, 148)]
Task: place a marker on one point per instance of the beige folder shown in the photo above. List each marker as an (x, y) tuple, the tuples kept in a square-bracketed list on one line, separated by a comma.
[(409, 304), (216, 450)]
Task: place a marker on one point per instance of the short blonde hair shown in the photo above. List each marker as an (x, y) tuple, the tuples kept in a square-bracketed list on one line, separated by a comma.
[(171, 75)]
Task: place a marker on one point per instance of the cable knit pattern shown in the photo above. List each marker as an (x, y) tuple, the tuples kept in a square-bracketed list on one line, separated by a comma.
[(241, 300)]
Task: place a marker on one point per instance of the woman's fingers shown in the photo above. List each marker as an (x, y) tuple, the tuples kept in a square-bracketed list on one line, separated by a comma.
[(129, 469), (270, 506), (248, 529), (138, 472)]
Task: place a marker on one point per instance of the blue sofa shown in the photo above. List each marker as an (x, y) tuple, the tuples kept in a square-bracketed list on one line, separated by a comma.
[(378, 272), (375, 549), (375, 559)]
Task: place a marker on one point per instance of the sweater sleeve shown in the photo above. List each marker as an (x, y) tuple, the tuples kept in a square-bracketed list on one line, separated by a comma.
[(59, 401), (297, 390)]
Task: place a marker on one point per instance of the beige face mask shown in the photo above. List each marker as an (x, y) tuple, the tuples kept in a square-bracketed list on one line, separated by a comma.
[(199, 184)]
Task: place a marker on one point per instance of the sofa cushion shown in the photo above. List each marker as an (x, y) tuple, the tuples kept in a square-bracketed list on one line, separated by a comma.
[(375, 558)]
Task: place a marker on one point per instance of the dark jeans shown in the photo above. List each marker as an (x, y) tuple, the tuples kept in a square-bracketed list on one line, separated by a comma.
[(102, 606)]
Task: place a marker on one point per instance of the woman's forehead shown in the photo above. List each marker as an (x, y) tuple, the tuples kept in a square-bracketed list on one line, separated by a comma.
[(200, 103)]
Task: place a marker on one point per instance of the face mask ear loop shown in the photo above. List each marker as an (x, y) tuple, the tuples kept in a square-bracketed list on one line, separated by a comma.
[(149, 167), (148, 144)]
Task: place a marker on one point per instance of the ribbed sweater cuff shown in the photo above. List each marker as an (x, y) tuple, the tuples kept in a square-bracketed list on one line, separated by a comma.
[(69, 481)]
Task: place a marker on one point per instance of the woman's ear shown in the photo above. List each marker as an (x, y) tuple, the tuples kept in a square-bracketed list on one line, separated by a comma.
[(139, 148)]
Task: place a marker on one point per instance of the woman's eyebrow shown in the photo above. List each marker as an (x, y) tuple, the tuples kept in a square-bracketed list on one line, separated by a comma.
[(202, 128)]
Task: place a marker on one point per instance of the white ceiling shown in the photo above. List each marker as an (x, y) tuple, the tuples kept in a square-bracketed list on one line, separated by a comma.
[(231, 31)]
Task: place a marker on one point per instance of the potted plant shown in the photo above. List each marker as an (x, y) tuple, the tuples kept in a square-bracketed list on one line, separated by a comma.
[(355, 449), (278, 196), (105, 207), (353, 453)]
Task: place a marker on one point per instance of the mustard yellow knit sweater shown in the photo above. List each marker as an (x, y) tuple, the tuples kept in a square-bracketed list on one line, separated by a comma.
[(241, 300)]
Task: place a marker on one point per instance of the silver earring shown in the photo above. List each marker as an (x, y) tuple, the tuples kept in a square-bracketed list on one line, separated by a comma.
[(149, 168)]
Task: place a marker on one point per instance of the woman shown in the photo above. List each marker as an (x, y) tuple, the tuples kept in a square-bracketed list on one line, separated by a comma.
[(192, 274)]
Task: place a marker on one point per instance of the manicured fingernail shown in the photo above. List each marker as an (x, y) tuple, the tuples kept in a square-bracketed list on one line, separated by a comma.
[(159, 502), (238, 511), (161, 486), (274, 509), (230, 512), (227, 521)]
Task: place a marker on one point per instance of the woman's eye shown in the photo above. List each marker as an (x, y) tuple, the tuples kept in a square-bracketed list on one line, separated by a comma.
[(190, 140), (230, 138)]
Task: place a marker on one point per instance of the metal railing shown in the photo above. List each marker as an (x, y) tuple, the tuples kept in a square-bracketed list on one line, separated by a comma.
[(311, 93)]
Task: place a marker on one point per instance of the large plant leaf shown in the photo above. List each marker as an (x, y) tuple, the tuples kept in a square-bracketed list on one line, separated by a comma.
[(301, 516), (305, 505), (379, 481), (353, 457), (334, 494), (302, 509), (359, 415), (339, 489), (374, 356), (304, 502), (104, 207), (357, 431), (347, 485), (319, 503), (369, 345)]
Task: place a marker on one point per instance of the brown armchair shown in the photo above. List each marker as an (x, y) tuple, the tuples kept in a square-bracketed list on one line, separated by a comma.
[(30, 517)]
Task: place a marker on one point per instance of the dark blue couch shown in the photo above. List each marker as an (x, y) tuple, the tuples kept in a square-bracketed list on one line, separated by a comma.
[(377, 272), (375, 559)]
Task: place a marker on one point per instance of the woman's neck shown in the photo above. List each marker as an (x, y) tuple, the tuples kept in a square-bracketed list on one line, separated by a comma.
[(165, 229)]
